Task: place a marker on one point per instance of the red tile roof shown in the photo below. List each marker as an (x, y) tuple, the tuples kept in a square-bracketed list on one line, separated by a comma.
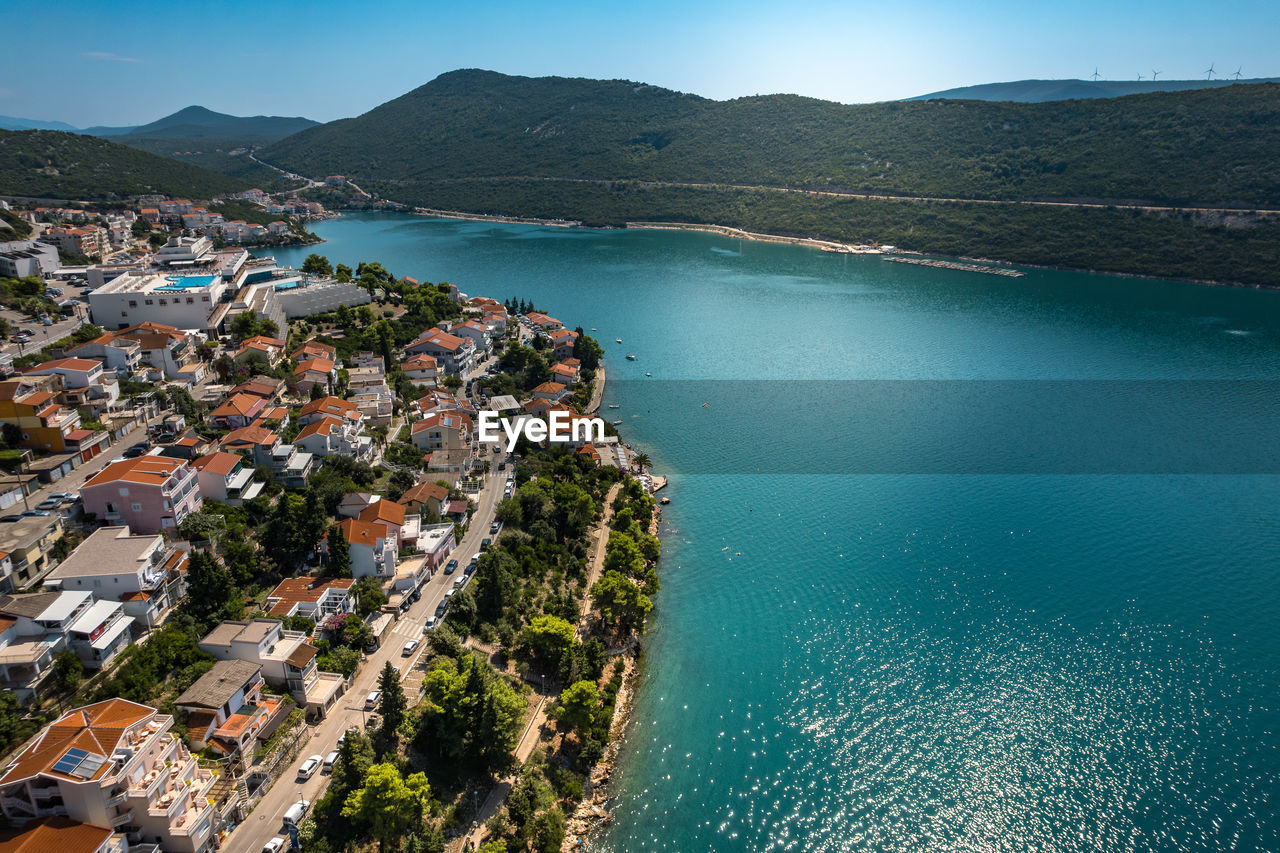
[(94, 728)]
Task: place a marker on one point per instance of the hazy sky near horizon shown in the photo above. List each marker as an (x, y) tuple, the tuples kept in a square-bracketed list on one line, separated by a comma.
[(90, 63)]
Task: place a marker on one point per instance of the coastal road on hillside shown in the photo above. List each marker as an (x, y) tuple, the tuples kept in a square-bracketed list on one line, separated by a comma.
[(264, 822)]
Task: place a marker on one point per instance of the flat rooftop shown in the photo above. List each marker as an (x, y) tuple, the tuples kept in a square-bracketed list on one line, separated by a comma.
[(158, 283)]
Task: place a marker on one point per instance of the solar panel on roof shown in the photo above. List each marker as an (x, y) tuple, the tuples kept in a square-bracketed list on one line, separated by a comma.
[(89, 766), (69, 762)]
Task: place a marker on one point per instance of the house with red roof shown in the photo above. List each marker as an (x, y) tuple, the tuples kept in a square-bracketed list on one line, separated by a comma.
[(311, 372), (314, 598), (441, 431), (227, 478), (238, 410), (373, 552), (421, 369), (331, 436), (453, 354), (149, 493)]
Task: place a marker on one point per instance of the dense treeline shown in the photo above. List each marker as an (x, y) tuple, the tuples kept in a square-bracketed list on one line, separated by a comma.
[(1215, 146), (52, 164), (1104, 239)]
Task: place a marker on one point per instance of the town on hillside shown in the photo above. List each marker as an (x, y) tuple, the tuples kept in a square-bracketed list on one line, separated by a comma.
[(258, 570)]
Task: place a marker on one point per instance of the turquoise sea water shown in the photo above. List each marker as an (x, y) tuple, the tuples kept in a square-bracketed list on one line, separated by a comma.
[(867, 637)]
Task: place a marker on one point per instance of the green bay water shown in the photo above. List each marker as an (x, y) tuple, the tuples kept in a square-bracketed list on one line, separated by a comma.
[(854, 655)]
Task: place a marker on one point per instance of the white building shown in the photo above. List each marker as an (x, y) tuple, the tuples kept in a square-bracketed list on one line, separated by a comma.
[(286, 658), (142, 572), (181, 301)]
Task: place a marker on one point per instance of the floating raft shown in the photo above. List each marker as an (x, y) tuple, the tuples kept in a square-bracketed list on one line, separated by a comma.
[(957, 265)]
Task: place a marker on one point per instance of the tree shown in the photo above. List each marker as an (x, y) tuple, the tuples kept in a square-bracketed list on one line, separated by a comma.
[(400, 482), (392, 704), (342, 273), (68, 671), (620, 601), (355, 757), (642, 460), (352, 632), (579, 706), (339, 564), (316, 264), (546, 639), (388, 805), (210, 590), (369, 595), (623, 555)]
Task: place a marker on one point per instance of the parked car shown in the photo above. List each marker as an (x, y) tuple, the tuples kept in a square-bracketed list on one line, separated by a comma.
[(135, 452), (441, 608), (450, 567), (485, 543), (49, 503), (329, 761), (448, 595), (65, 497), (35, 513), (371, 701), (461, 581), (296, 812), (275, 845), (409, 648), (310, 766), (10, 519), (431, 623), (494, 527), (502, 466)]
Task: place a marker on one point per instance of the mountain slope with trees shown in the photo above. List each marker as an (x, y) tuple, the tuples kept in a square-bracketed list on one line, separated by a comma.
[(1207, 147), (56, 165)]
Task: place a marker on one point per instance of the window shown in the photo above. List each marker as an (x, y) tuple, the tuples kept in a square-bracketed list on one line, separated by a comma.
[(133, 303), (137, 507), (149, 301), (164, 302), (190, 301)]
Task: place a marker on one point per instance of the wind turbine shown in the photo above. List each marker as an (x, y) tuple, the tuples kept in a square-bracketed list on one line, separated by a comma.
[(1154, 73), (1237, 74), (1139, 76), (1208, 75), (1095, 74)]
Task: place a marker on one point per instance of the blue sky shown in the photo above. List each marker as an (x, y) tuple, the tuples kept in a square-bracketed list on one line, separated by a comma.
[(124, 63)]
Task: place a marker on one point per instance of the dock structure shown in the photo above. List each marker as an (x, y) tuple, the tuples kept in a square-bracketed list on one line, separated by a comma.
[(957, 265)]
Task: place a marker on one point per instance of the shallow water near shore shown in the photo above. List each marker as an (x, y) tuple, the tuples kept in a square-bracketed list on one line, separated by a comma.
[(901, 657)]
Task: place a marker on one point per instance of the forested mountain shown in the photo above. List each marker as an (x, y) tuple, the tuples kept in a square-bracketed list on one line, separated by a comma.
[(1038, 91), (55, 165), (1219, 146)]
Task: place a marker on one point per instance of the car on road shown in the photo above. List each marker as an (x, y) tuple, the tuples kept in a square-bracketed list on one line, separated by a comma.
[(450, 567), (461, 581), (502, 466), (10, 519), (494, 527), (409, 648), (441, 608), (310, 766), (329, 761), (371, 701), (49, 503), (64, 497), (27, 332), (275, 845), (431, 623), (296, 813), (448, 595), (485, 543), (35, 513)]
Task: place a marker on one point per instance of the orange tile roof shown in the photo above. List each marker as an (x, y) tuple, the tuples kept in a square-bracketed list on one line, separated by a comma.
[(94, 728), (384, 510), (321, 427), (444, 340), (424, 492), (54, 833), (239, 404), (70, 364), (221, 463), (335, 406), (362, 532), (144, 470), (249, 435), (293, 591), (320, 365)]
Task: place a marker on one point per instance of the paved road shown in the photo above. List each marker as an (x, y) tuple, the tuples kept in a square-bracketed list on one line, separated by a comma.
[(44, 335), (264, 822)]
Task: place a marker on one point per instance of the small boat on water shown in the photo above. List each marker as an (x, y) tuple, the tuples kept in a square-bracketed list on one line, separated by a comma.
[(613, 405), (619, 340), (615, 423), (665, 501), (593, 328), (630, 357), (648, 374)]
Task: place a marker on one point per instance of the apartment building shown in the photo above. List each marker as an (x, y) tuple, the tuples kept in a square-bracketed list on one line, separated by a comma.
[(287, 660), (141, 571), (116, 764), (149, 493), (227, 710)]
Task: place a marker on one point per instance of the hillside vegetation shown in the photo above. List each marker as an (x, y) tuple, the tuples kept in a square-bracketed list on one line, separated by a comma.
[(1036, 91), (56, 165), (196, 122), (1211, 147)]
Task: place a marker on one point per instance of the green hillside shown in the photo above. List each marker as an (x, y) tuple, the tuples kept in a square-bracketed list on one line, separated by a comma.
[(1219, 146), (56, 165), (195, 122)]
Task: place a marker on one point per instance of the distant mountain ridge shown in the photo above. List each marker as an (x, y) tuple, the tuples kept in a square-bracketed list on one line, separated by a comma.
[(15, 123), (196, 122), (1040, 91)]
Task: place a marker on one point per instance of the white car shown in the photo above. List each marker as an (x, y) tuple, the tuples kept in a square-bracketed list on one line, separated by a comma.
[(371, 701), (409, 648), (310, 766), (274, 845), (330, 760)]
